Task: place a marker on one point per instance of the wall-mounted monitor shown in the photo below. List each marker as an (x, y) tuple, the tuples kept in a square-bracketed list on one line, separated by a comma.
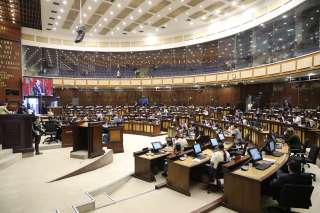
[(37, 86)]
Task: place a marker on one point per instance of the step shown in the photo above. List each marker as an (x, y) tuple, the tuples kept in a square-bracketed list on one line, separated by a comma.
[(5, 153), (10, 160)]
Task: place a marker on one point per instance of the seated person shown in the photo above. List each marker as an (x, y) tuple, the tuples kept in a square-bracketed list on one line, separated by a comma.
[(181, 141), (217, 157), (3, 108), (202, 139), (220, 156), (176, 151), (292, 140), (236, 133), (293, 177)]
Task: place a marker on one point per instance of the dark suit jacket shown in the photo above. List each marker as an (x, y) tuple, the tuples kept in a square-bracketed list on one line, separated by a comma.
[(294, 142), (285, 178), (36, 91)]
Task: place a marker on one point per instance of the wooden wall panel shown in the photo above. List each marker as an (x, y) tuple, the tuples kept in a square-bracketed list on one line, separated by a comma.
[(269, 94)]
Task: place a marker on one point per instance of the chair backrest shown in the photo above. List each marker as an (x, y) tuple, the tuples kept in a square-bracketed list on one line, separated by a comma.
[(245, 149), (51, 126), (313, 154), (295, 196), (220, 170)]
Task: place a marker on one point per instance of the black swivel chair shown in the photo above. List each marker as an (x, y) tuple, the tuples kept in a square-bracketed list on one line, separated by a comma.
[(50, 129), (217, 175), (311, 158), (295, 196)]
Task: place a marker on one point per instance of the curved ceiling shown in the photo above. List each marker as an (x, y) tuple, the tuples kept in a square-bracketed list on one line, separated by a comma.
[(151, 24), (136, 18)]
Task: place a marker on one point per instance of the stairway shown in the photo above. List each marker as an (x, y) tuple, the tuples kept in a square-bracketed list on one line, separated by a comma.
[(8, 158)]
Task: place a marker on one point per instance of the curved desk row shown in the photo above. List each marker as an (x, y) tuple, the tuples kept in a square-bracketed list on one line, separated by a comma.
[(243, 189), (141, 128)]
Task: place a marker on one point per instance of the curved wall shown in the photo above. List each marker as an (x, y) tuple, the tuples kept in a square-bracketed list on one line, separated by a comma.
[(285, 37)]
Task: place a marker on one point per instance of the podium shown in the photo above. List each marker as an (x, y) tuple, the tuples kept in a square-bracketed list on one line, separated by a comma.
[(87, 137), (16, 133)]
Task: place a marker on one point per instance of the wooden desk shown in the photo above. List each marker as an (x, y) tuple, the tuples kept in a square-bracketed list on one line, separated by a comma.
[(115, 139), (88, 136), (145, 164), (179, 171), (16, 132), (242, 189), (142, 128), (67, 136)]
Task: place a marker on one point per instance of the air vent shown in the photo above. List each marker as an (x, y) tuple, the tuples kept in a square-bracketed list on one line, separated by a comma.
[(56, 3), (141, 31), (163, 27), (124, 33), (188, 19), (52, 18), (50, 24), (53, 11), (48, 29)]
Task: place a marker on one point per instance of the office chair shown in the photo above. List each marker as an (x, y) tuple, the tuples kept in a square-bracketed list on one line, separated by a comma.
[(215, 175), (295, 196), (311, 158), (50, 129)]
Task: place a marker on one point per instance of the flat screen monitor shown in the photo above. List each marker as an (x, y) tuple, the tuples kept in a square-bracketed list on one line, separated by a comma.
[(271, 146), (255, 154), (214, 142), (156, 146), (221, 136), (37, 86), (197, 149)]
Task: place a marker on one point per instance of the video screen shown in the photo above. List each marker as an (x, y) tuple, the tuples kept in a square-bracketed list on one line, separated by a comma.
[(214, 142), (221, 136), (156, 145), (255, 154), (197, 149), (37, 86), (272, 146)]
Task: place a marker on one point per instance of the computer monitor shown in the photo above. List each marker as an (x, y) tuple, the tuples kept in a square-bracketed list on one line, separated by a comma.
[(214, 142), (255, 154), (197, 149), (156, 146), (221, 136), (271, 146)]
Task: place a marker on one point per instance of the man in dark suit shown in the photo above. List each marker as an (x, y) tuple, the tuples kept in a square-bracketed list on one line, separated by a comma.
[(37, 89), (293, 177)]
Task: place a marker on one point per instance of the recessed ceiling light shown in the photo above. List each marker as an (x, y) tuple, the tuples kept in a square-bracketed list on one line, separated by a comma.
[(119, 5), (140, 11), (234, 3), (64, 2), (124, 23), (84, 15), (89, 7), (131, 17), (100, 25), (170, 8), (61, 10), (105, 19), (111, 12), (59, 17), (56, 23), (149, 2)]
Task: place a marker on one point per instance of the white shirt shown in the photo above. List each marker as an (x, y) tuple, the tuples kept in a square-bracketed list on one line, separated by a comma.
[(218, 157), (297, 120), (182, 141)]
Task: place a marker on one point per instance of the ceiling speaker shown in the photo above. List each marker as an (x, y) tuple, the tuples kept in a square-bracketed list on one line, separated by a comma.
[(81, 31)]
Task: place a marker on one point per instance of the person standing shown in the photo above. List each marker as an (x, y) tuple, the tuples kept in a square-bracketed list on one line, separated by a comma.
[(37, 132)]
